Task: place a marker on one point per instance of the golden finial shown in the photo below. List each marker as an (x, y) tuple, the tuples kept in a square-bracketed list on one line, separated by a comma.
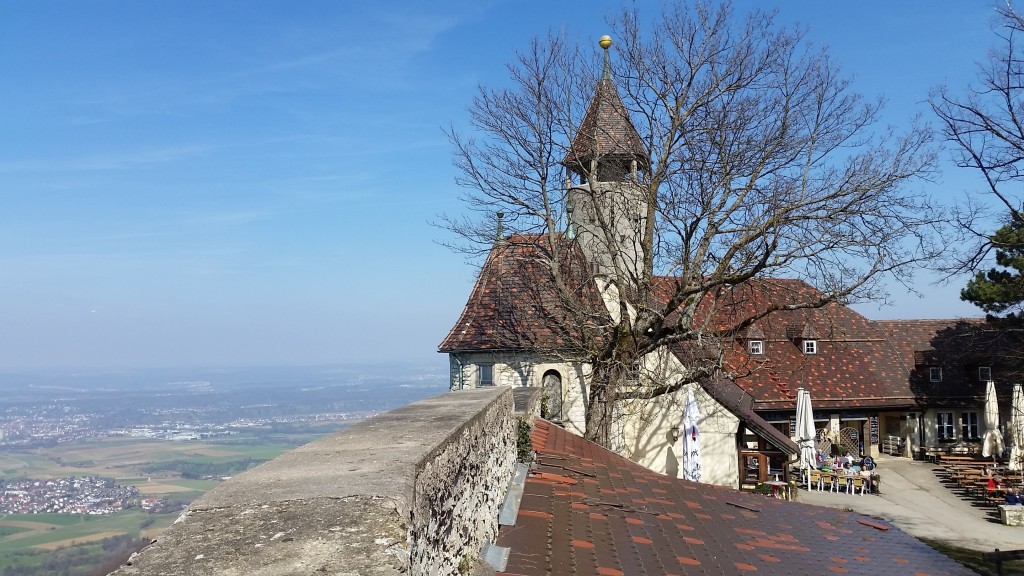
[(605, 42)]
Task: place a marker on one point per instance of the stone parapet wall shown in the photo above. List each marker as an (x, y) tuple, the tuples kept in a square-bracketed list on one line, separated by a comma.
[(414, 491), (458, 491)]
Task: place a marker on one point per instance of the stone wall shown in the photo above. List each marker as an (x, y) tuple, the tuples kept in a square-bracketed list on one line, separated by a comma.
[(414, 491), (519, 369), (458, 491)]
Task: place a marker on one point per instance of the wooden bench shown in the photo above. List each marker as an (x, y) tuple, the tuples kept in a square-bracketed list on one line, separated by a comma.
[(953, 458), (932, 454)]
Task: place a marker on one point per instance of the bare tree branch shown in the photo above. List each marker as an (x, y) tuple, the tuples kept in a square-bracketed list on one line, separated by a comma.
[(758, 162)]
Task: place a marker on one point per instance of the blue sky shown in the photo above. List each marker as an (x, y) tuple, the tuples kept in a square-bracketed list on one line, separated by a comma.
[(198, 183)]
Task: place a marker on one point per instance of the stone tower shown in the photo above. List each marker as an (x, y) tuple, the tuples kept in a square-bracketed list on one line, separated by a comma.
[(606, 204)]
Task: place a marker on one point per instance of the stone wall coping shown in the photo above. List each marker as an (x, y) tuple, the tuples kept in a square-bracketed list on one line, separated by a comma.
[(340, 504), (377, 457)]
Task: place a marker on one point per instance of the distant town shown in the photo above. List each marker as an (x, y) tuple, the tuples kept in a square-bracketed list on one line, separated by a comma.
[(47, 428), (74, 495), (53, 408)]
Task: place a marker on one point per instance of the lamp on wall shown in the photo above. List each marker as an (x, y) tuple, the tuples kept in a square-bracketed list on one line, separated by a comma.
[(673, 434)]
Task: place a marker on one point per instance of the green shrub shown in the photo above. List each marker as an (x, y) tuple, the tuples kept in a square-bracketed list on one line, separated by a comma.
[(524, 445)]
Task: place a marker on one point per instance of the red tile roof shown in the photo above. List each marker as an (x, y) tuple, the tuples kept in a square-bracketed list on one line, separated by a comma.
[(854, 366), (586, 510), (606, 130), (858, 364), (959, 347), (515, 305)]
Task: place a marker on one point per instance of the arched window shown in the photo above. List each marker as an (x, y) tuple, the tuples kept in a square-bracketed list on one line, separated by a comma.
[(552, 385)]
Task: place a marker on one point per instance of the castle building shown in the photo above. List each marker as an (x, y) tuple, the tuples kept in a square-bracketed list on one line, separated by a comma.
[(904, 387)]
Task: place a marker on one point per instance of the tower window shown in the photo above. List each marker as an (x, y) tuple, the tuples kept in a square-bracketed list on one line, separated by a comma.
[(935, 374), (984, 373), (486, 374), (634, 371)]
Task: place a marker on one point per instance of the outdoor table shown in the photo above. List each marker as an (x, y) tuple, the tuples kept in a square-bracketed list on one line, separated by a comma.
[(844, 478), (780, 489), (965, 476), (957, 459)]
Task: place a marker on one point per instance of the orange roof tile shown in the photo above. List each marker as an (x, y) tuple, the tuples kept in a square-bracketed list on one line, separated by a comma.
[(628, 528)]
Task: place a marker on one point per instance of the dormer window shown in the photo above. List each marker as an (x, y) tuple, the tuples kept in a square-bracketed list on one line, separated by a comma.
[(804, 336), (984, 373), (935, 374), (756, 347), (754, 338)]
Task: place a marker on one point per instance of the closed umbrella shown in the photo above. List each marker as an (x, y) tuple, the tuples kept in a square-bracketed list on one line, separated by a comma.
[(691, 440), (992, 444), (1017, 428), (805, 432)]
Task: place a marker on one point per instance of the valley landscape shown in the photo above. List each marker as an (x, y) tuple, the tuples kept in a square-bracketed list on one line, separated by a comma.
[(94, 465)]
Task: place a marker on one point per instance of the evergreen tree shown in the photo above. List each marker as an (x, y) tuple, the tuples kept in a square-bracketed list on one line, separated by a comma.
[(1001, 289)]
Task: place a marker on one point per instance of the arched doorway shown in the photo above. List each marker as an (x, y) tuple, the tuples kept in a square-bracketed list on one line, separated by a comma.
[(552, 386)]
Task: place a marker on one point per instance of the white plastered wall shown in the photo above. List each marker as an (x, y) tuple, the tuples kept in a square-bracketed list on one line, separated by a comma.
[(641, 431), (645, 427)]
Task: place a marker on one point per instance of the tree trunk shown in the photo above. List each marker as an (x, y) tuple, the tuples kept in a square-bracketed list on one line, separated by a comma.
[(604, 383)]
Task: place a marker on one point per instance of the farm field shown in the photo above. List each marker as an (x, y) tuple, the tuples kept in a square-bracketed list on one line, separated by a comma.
[(30, 539), (124, 458)]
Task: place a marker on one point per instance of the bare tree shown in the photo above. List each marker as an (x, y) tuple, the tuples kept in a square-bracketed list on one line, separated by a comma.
[(986, 125), (748, 158)]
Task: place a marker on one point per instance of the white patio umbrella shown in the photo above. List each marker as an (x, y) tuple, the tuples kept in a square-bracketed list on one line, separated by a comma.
[(691, 440), (992, 444), (805, 432), (1016, 430)]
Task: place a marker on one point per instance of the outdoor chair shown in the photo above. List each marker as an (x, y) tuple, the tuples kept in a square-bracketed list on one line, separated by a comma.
[(826, 479), (816, 481), (858, 482), (845, 483)]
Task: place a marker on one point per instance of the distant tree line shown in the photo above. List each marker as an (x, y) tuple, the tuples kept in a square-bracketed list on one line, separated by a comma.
[(199, 470)]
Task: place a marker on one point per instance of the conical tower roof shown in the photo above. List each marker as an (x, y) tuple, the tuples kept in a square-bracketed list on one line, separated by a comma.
[(606, 133)]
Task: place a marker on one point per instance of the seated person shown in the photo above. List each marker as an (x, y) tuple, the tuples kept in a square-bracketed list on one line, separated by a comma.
[(847, 469), (1013, 498)]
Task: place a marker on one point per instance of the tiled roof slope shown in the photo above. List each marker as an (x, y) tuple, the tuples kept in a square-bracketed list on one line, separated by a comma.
[(959, 347), (606, 130), (855, 365), (514, 304), (586, 510), (739, 402)]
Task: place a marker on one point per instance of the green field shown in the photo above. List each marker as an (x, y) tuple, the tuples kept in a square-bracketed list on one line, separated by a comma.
[(30, 538), (124, 458)]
